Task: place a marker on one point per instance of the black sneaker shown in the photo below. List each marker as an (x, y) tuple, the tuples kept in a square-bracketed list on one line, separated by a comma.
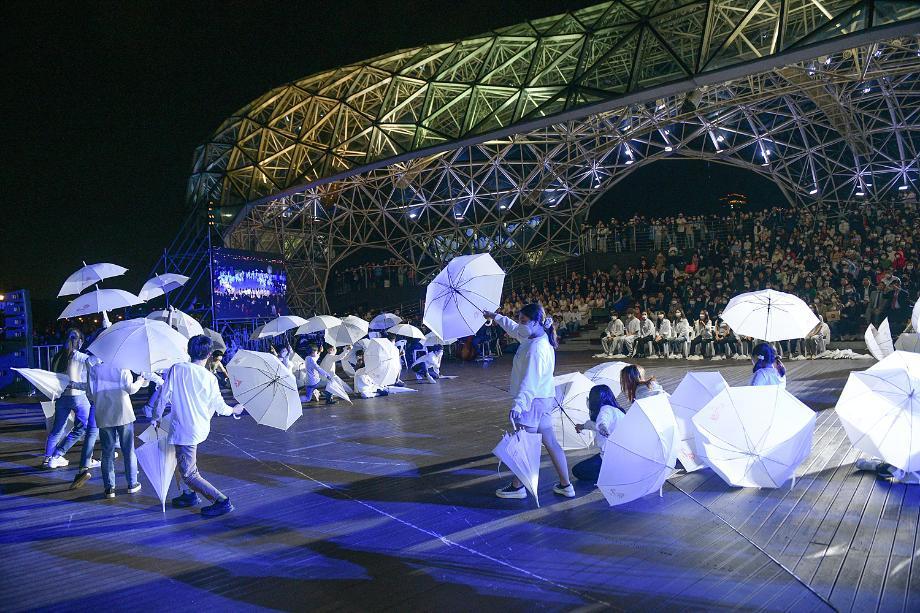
[(221, 507), (509, 491), (109, 493), (80, 479), (187, 499), (332, 401)]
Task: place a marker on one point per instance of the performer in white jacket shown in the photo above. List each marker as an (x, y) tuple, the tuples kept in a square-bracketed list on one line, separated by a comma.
[(663, 334), (683, 334), (533, 390), (612, 339)]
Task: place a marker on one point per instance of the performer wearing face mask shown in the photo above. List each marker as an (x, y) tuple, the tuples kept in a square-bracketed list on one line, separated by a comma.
[(662, 335)]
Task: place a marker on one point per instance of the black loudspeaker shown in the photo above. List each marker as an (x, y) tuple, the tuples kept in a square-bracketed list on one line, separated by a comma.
[(15, 340)]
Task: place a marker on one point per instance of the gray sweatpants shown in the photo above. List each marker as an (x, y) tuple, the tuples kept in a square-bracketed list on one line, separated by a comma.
[(186, 458)]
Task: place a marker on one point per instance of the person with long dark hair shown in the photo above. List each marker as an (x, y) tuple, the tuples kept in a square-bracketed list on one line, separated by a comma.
[(533, 390), (605, 413), (768, 368), (636, 384)]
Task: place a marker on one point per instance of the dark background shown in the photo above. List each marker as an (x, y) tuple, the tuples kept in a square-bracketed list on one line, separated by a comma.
[(104, 104)]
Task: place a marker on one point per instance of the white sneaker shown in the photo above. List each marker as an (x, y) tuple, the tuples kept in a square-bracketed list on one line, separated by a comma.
[(94, 463), (567, 491), (58, 462)]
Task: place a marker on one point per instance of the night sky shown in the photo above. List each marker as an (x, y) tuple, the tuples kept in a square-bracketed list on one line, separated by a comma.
[(105, 103)]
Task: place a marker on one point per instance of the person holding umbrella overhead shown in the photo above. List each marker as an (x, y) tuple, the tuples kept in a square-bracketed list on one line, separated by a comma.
[(533, 390), (194, 396)]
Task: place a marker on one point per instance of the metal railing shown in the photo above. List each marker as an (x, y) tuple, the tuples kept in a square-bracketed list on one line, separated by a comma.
[(629, 237), (43, 354)]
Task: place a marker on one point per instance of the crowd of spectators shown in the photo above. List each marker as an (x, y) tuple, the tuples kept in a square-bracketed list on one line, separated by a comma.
[(374, 275)]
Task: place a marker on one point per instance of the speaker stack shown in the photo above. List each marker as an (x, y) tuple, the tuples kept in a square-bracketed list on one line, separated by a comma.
[(15, 340)]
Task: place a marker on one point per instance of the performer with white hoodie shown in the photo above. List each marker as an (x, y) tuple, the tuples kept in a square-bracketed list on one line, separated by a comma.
[(662, 340), (533, 390), (683, 334), (613, 335)]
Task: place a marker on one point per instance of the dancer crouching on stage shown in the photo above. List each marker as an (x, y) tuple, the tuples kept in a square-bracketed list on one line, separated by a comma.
[(193, 395), (637, 385), (768, 368), (533, 390), (605, 413)]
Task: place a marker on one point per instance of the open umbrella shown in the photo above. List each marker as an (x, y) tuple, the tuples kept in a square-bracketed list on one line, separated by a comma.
[(281, 324), (878, 341), (432, 339), (157, 459), (908, 341), (217, 340), (754, 436), (571, 408), (266, 387), (384, 321), (89, 275), (456, 298), (915, 316), (880, 410), (318, 323), (694, 392), (187, 325), (769, 315), (607, 374), (381, 361), (98, 301), (161, 284), (140, 345), (344, 334), (51, 384), (520, 452), (406, 330), (640, 453), (256, 333)]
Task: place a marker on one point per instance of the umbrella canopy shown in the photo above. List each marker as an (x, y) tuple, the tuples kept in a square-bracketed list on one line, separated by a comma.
[(769, 315), (98, 301), (161, 284), (266, 387), (359, 345), (140, 345), (356, 322), (318, 323), (281, 324), (694, 392), (406, 330), (915, 316), (381, 361), (345, 334), (456, 298), (432, 339), (89, 275), (908, 341), (520, 452), (157, 459), (338, 388), (754, 436), (256, 333), (880, 411), (51, 384), (384, 321), (216, 339), (878, 341), (640, 453), (187, 325), (571, 401), (607, 374)]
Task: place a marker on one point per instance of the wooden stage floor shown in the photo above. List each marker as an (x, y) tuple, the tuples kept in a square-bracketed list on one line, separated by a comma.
[(388, 504)]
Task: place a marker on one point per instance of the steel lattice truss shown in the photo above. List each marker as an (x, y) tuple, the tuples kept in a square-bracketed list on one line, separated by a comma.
[(503, 142)]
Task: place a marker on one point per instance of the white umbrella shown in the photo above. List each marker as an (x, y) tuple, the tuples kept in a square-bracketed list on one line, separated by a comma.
[(157, 459), (338, 388), (98, 301), (345, 334), (381, 361), (878, 341), (880, 411), (520, 452), (694, 392), (432, 339), (356, 322), (161, 284), (318, 323), (256, 333), (51, 384), (89, 275), (640, 453), (281, 324), (607, 374), (754, 436), (908, 341), (140, 345), (456, 298), (571, 402), (187, 325), (359, 345), (217, 340), (266, 387), (915, 316), (769, 315), (406, 330), (384, 321)]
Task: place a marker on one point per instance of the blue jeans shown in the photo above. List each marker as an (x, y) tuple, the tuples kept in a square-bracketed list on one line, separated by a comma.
[(588, 470), (123, 435), (84, 424), (311, 388)]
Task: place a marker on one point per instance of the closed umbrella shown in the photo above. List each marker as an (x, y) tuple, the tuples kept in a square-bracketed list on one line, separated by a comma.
[(318, 323), (160, 285), (217, 340), (878, 341), (607, 374), (694, 392), (406, 330), (51, 384), (520, 452), (89, 275), (381, 361), (281, 324), (754, 436), (456, 298), (880, 410), (266, 387), (187, 325), (384, 321), (98, 301), (338, 388), (769, 315), (140, 345), (571, 409), (640, 453), (157, 459)]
